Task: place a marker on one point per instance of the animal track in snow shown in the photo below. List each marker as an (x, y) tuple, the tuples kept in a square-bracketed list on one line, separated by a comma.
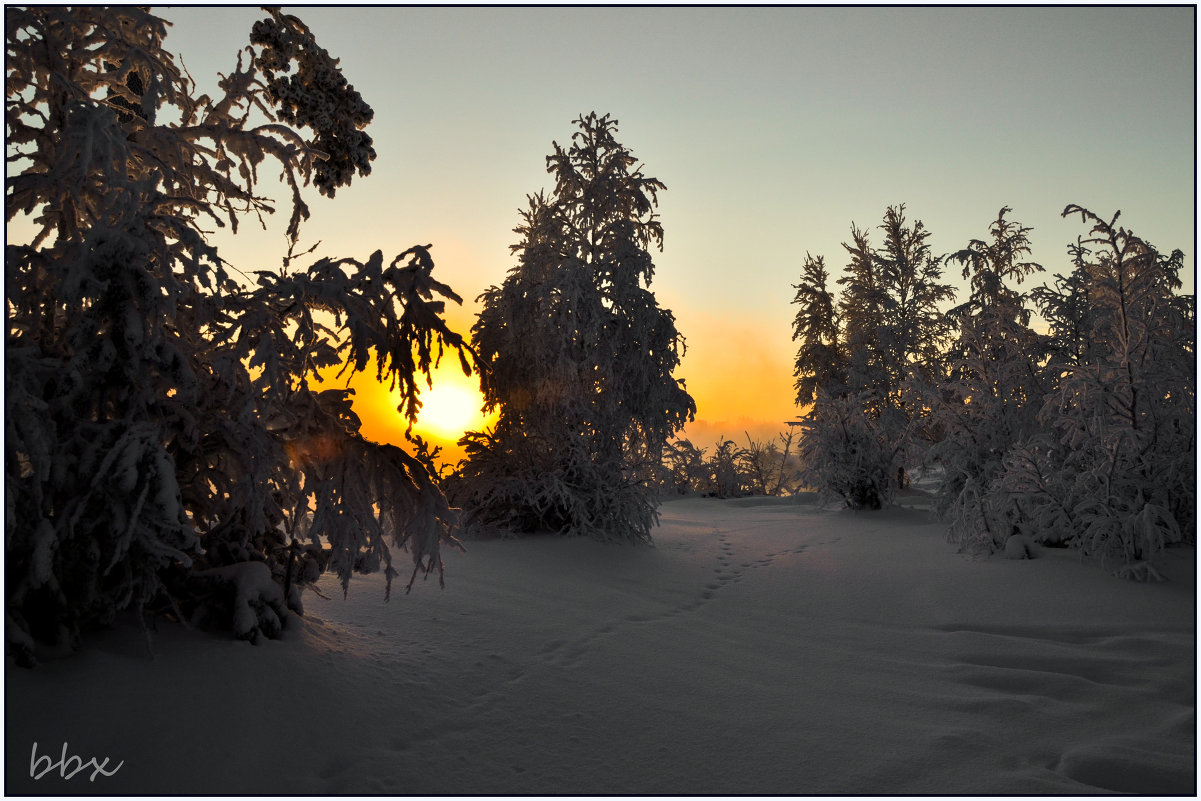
[(729, 570)]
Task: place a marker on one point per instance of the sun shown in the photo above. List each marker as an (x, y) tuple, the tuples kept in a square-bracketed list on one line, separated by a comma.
[(449, 409)]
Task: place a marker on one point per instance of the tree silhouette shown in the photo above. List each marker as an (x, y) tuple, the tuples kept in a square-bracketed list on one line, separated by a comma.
[(820, 359), (581, 355), (992, 391), (867, 406), (163, 450)]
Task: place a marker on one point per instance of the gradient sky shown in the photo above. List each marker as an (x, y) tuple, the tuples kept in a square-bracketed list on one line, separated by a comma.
[(773, 128)]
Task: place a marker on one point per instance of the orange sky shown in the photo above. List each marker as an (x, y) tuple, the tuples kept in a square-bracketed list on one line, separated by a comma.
[(452, 406), (741, 384), (769, 142), (766, 126)]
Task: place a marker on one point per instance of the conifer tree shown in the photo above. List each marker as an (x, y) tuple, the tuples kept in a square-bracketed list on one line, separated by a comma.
[(581, 355), (993, 388), (859, 438), (861, 310), (163, 450), (1068, 309), (912, 329), (819, 361)]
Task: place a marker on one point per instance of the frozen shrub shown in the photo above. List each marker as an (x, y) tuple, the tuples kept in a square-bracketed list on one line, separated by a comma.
[(683, 468)]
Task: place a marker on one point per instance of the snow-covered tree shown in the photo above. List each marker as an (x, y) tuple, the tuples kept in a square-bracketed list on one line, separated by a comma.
[(581, 355), (725, 472), (819, 360), (860, 312), (913, 328), (163, 450), (847, 455), (868, 416), (768, 468), (990, 265), (993, 389), (1114, 473), (681, 469), (762, 467), (1068, 310)]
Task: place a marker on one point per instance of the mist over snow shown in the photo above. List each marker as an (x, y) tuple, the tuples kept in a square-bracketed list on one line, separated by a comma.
[(762, 646)]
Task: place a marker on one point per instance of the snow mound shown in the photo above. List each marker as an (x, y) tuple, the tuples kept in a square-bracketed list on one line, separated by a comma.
[(1019, 546), (258, 605)]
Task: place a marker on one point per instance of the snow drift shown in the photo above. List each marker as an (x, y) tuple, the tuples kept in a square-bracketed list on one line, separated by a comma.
[(763, 646)]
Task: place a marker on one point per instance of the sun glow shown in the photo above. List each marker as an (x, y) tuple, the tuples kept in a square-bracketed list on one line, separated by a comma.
[(449, 409), (452, 407)]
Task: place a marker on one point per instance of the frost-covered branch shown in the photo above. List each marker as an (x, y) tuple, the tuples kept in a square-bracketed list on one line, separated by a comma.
[(164, 451)]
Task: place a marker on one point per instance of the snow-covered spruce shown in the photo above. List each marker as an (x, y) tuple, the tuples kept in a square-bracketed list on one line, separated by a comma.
[(581, 355)]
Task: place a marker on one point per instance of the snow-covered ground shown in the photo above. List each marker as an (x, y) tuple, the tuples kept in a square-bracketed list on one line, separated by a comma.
[(763, 646)]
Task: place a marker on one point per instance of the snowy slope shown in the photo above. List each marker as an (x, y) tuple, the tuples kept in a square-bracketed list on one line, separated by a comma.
[(760, 647)]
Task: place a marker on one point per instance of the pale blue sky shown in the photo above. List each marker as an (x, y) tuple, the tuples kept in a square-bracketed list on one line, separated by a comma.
[(773, 129)]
